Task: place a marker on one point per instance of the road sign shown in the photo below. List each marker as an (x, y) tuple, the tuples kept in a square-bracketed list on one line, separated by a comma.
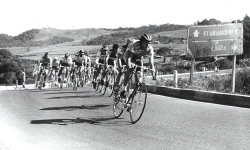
[(215, 40)]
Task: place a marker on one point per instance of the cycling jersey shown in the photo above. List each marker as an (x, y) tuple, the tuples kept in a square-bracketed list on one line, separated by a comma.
[(46, 61), (66, 61), (55, 63), (135, 48), (102, 54), (80, 60)]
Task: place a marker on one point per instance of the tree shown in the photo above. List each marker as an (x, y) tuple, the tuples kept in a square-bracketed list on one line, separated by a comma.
[(209, 22), (246, 37), (165, 52), (5, 54)]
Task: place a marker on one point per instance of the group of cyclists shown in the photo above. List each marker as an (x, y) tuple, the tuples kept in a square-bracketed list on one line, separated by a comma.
[(54, 67), (118, 56)]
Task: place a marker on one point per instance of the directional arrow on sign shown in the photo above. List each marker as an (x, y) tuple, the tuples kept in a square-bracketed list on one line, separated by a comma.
[(196, 33)]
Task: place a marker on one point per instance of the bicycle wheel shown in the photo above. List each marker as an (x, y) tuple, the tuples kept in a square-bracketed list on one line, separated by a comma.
[(104, 86), (118, 106), (111, 81), (138, 102), (74, 82), (98, 84)]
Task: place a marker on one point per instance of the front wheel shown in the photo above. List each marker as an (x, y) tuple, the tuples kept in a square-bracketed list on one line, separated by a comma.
[(138, 102)]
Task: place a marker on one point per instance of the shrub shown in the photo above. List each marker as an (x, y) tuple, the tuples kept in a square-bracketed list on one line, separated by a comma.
[(242, 81)]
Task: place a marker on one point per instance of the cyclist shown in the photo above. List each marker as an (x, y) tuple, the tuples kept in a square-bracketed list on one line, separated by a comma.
[(55, 67), (65, 62), (78, 62), (120, 64), (113, 56), (45, 62), (101, 54), (88, 64), (134, 54)]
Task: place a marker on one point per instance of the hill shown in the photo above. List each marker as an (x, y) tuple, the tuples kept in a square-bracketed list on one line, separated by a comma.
[(77, 34), (175, 34)]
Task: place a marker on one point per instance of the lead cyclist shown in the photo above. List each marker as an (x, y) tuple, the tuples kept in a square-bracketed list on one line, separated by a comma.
[(134, 54)]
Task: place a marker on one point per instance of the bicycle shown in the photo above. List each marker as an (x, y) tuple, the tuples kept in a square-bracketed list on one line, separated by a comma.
[(75, 78), (41, 78), (63, 78), (110, 80), (99, 81), (136, 100)]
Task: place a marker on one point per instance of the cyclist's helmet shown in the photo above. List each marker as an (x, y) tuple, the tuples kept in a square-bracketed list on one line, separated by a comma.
[(86, 53), (81, 51), (105, 48), (146, 37), (67, 55), (115, 46)]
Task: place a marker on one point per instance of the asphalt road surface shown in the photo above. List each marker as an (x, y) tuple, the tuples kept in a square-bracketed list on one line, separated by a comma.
[(55, 119)]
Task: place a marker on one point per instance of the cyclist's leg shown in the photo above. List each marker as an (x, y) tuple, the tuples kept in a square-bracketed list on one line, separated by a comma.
[(59, 74), (128, 58), (120, 63)]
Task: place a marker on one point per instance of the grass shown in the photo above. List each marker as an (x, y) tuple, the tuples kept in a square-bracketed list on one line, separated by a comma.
[(176, 34)]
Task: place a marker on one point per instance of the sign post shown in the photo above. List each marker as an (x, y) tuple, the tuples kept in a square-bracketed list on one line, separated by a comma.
[(214, 41)]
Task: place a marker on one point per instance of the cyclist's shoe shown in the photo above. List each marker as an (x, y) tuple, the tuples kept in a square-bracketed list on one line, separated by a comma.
[(128, 107), (59, 80), (154, 78), (43, 84), (123, 94)]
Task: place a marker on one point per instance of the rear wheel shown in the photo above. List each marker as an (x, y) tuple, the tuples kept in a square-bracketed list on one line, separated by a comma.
[(138, 102), (118, 106), (111, 81)]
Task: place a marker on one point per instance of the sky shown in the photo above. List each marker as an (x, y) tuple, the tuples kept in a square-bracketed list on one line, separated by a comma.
[(18, 16)]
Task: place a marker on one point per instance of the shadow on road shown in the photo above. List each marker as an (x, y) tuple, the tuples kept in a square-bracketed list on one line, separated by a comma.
[(106, 121), (75, 96), (70, 92), (70, 108)]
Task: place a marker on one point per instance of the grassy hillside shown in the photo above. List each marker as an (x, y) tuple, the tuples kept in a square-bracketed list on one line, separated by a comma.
[(176, 34), (78, 34)]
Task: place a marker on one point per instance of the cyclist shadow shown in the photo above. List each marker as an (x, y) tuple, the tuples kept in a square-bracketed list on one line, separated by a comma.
[(105, 121), (74, 92), (70, 97), (71, 108)]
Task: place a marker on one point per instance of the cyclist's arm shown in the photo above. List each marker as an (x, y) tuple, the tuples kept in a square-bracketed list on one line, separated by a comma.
[(151, 63)]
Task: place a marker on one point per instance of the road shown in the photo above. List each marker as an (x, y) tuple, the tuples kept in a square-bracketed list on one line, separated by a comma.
[(55, 119)]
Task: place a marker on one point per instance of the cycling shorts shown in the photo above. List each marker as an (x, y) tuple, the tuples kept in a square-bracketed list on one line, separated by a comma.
[(65, 64), (111, 62), (100, 61), (45, 65), (137, 60), (56, 68), (78, 64)]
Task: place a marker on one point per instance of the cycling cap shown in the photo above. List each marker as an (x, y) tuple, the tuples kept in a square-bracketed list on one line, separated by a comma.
[(46, 53), (55, 58), (146, 37), (67, 54)]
